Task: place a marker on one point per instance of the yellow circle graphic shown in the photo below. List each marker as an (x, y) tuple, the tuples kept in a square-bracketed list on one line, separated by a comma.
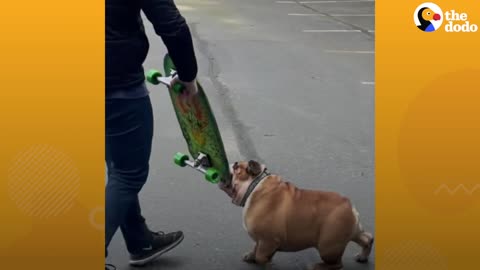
[(439, 149), (43, 182)]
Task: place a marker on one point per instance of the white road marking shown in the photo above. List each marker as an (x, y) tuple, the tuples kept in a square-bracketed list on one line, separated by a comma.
[(185, 8), (333, 15), (352, 15), (344, 51), (325, 2), (306, 14), (368, 83), (332, 31)]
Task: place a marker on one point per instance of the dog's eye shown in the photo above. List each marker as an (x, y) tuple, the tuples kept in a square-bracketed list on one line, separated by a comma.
[(235, 165)]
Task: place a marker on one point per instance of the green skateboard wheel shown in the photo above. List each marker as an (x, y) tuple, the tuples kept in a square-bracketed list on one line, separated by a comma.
[(177, 88), (212, 176), (180, 159), (152, 76)]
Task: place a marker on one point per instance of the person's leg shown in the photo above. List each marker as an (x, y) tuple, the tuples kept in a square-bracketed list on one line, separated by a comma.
[(129, 132), (134, 229), (128, 139)]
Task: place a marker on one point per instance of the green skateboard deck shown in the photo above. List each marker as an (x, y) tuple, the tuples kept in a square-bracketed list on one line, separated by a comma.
[(199, 128)]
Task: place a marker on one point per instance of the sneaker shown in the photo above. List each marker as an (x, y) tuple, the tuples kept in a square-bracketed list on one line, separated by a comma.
[(110, 267), (161, 243)]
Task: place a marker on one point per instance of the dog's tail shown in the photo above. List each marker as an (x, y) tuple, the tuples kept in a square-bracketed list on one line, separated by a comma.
[(358, 224)]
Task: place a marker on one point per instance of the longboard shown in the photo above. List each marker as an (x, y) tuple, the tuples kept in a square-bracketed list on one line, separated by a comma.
[(198, 125)]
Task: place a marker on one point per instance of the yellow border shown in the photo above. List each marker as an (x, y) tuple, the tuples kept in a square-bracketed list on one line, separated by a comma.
[(51, 139), (427, 141), (51, 151)]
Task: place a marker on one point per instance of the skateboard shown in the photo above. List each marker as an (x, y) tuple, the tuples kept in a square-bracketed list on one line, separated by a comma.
[(198, 125)]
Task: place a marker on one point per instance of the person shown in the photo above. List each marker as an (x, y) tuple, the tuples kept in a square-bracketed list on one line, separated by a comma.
[(129, 116)]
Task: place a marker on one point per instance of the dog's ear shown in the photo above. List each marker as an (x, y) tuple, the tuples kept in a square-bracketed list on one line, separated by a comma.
[(254, 168)]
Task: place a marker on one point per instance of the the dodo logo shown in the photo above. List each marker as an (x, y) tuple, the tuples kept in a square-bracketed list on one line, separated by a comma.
[(429, 17)]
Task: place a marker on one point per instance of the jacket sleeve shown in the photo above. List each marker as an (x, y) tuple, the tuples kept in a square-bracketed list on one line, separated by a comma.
[(172, 27)]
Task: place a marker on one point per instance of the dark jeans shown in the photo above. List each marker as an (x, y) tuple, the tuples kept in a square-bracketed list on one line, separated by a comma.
[(128, 141)]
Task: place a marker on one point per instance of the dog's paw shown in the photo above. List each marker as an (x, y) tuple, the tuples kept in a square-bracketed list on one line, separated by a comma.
[(323, 266), (268, 266), (361, 258), (249, 257)]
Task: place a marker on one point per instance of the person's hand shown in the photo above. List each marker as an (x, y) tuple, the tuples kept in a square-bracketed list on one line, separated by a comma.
[(189, 87)]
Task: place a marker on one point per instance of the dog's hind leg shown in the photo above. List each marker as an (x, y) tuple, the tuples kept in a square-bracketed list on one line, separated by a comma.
[(324, 266), (331, 257), (365, 241), (362, 238)]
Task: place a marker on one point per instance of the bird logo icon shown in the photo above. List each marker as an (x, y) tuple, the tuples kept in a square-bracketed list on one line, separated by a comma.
[(428, 17)]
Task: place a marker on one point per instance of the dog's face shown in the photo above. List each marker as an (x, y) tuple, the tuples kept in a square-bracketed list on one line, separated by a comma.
[(243, 172)]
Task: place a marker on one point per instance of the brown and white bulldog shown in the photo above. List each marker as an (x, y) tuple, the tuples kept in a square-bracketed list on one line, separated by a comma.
[(281, 217)]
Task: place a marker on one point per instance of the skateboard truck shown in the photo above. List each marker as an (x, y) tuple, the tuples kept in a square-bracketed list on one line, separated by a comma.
[(155, 77), (201, 164), (202, 160)]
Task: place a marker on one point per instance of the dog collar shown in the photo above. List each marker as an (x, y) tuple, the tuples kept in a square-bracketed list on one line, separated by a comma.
[(252, 185)]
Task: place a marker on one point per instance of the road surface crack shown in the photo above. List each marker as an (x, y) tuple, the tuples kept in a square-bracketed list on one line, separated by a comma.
[(244, 143)]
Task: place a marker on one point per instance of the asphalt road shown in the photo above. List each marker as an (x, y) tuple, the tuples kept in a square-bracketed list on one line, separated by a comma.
[(292, 85)]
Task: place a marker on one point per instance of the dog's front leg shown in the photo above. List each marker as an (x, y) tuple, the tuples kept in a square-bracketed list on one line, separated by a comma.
[(264, 252), (249, 257)]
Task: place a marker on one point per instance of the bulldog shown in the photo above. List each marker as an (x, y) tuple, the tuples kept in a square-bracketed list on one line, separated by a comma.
[(279, 216)]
